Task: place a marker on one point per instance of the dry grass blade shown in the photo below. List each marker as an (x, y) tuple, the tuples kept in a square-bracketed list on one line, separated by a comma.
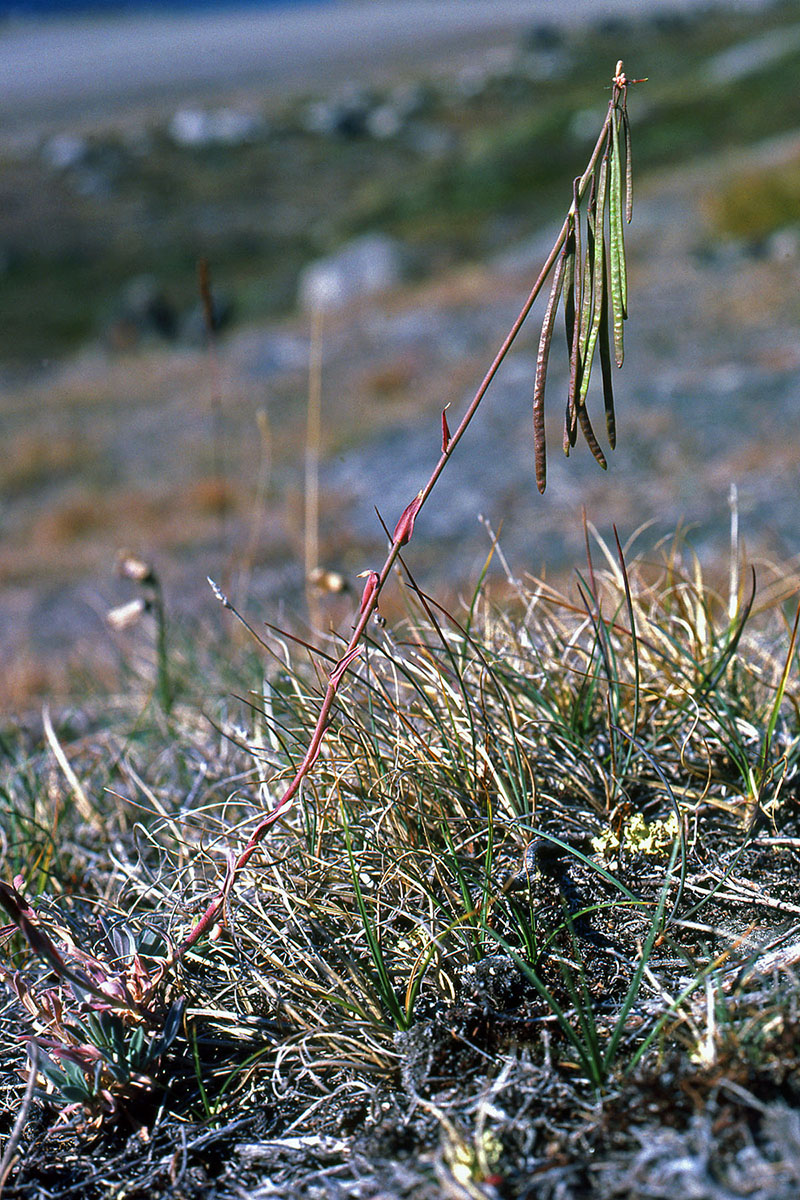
[(81, 799), (545, 341)]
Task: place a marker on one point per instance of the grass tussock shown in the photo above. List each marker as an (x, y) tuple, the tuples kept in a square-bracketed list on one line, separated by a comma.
[(545, 854)]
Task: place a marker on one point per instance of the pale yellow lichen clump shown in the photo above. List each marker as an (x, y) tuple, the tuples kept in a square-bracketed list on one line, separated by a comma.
[(637, 836)]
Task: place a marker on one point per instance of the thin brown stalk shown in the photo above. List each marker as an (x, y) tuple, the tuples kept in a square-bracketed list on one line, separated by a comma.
[(215, 389), (313, 441)]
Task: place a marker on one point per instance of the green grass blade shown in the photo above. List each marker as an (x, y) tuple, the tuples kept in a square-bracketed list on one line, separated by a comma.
[(596, 867), (562, 1019), (787, 666), (383, 982), (644, 958), (584, 1012), (637, 681)]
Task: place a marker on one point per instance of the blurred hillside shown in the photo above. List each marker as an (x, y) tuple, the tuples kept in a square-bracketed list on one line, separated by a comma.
[(121, 428)]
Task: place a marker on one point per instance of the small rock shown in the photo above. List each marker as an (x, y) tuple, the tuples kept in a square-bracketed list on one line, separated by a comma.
[(372, 263), (189, 127), (344, 116), (783, 244), (384, 122), (471, 82), (319, 117), (64, 150), (198, 128)]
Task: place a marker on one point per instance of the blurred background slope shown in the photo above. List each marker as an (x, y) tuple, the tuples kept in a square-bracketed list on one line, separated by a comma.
[(406, 171)]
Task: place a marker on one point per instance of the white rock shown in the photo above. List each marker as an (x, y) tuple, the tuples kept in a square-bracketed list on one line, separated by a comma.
[(783, 243), (189, 127), (384, 122), (370, 264), (64, 150), (197, 127)]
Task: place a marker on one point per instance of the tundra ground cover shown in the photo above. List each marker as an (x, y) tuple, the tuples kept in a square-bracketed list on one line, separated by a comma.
[(534, 867)]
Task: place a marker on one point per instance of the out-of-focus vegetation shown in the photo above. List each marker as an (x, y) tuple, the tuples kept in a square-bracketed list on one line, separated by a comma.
[(756, 203), (481, 163)]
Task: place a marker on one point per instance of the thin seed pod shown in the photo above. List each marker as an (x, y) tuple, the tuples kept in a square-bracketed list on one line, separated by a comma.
[(584, 272), (626, 125), (570, 422), (598, 279), (569, 293), (591, 440), (576, 231), (572, 270), (607, 373), (545, 340), (616, 247), (588, 293), (621, 195)]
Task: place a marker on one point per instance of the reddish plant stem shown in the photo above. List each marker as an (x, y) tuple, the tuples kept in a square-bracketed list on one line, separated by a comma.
[(211, 914)]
